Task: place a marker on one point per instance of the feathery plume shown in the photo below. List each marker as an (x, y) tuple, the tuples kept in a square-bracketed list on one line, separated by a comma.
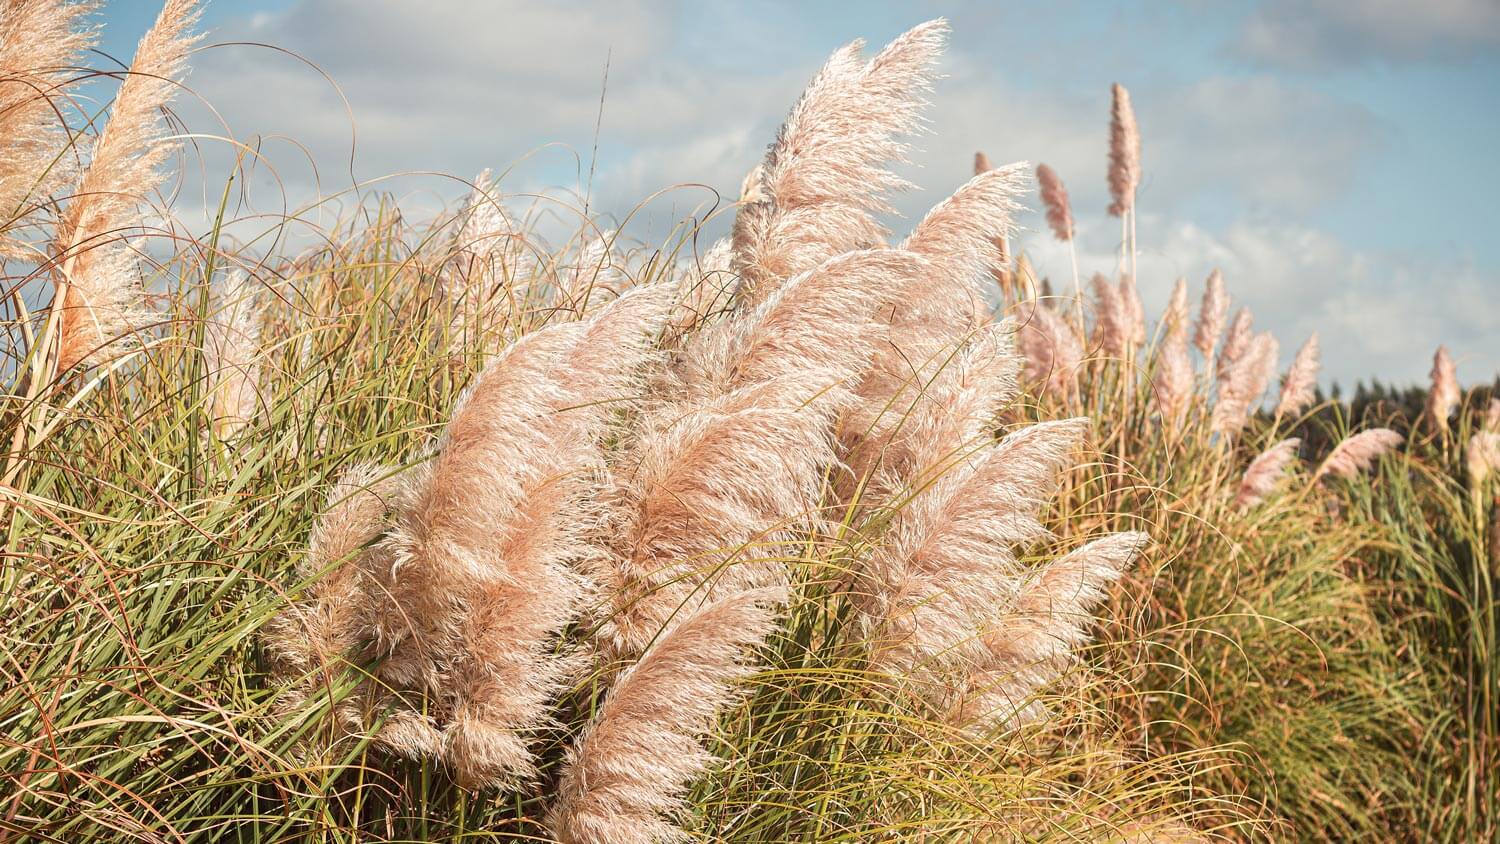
[(823, 319), (1211, 313), (1175, 317), (1240, 392), (825, 176), (1055, 198), (485, 253), (1482, 457), (1300, 381), (947, 554), (933, 311), (1358, 452), (963, 237), (624, 779), (1173, 380), (99, 298), (38, 40), (309, 642), (982, 163), (1265, 472), (705, 288), (708, 494), (1111, 319), (953, 412), (1052, 350), (483, 558), (1032, 642), (1135, 312), (1124, 153), (231, 356), (1236, 344), (1444, 394)]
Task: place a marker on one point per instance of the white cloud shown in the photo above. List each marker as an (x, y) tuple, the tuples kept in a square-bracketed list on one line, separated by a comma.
[(453, 87), (1325, 33)]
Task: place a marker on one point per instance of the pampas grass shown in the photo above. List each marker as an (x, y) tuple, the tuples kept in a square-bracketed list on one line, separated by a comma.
[(1358, 452), (1444, 394), (39, 39), (1236, 344), (98, 298), (1124, 153), (826, 552), (1112, 322), (1052, 351), (1299, 385), (231, 355), (1265, 472), (1055, 199), (624, 779), (1482, 457), (1211, 314), (820, 183)]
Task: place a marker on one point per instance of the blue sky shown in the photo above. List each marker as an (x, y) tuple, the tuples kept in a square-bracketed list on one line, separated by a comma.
[(1335, 157)]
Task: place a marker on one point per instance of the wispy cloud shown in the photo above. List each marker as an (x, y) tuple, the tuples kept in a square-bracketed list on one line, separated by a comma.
[(1310, 34)]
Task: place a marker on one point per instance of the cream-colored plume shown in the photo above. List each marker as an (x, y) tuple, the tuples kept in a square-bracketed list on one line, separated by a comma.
[(1173, 379), (1265, 472), (313, 641), (1482, 457), (231, 355), (1298, 388), (826, 175), (1211, 314), (39, 40), (1358, 452), (1055, 200), (1244, 384), (1032, 641), (486, 253), (623, 780), (1236, 344), (1112, 329), (483, 558), (1051, 348), (1124, 153), (1135, 311), (99, 293), (1444, 395)]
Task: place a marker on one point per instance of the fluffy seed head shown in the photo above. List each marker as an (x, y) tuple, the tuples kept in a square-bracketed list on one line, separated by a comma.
[(1111, 319), (1265, 472), (1359, 452), (1236, 344), (1482, 457), (1444, 395), (624, 778), (1124, 153), (1301, 380), (1055, 198), (101, 308), (826, 175), (1211, 313), (1135, 312), (1241, 390), (1052, 350), (39, 39), (231, 355)]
